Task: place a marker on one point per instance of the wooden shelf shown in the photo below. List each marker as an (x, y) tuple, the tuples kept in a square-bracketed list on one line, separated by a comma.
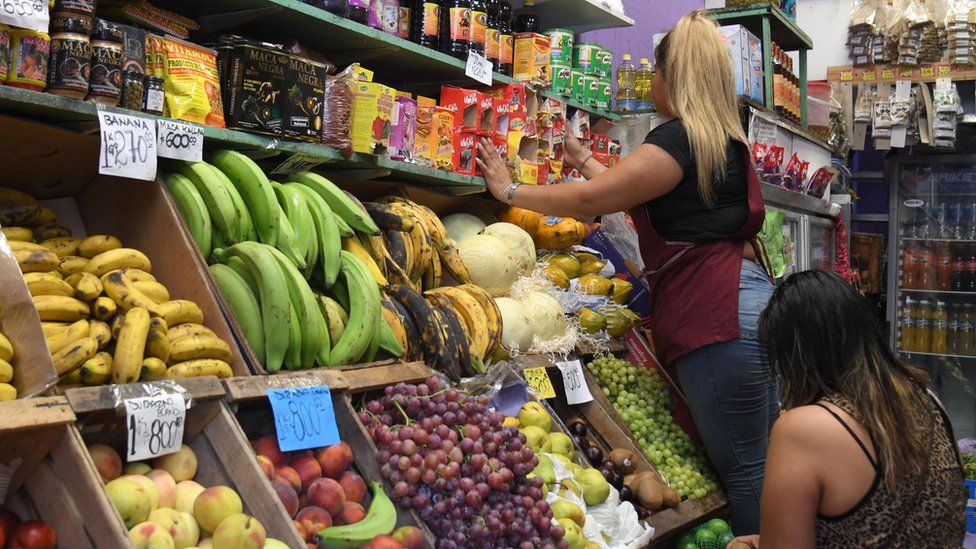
[(784, 30)]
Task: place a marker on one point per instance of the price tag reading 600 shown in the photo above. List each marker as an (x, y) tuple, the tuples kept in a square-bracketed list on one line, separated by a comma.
[(304, 417), (154, 425), (128, 146), (538, 379), (180, 140)]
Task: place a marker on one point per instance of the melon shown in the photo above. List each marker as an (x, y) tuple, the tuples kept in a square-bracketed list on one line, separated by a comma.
[(490, 263), (518, 241), (462, 225), (545, 315), (517, 331)]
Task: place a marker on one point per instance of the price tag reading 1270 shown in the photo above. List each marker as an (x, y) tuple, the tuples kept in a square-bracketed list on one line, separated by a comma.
[(538, 379), (27, 14), (304, 417), (154, 425), (128, 145)]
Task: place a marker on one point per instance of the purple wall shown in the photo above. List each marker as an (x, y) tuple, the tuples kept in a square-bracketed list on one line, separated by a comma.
[(650, 17)]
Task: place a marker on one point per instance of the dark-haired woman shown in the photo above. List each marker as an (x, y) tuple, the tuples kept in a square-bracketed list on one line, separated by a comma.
[(865, 456)]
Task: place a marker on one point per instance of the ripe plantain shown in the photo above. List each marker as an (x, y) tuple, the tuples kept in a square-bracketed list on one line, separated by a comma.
[(49, 231), (387, 218), (494, 325), (47, 284), (353, 246), (394, 329), (126, 295), (473, 315), (180, 311), (104, 308), (118, 258), (97, 244), (198, 368), (60, 308), (62, 245), (71, 358), (414, 349), (457, 334), (432, 338), (87, 286), (335, 317), (130, 347)]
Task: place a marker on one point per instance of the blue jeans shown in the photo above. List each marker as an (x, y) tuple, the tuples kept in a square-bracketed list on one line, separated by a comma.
[(733, 397)]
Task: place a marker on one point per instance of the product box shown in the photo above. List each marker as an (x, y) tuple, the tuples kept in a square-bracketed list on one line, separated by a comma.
[(523, 154), (488, 120), (371, 114), (464, 151), (133, 48), (503, 116), (747, 60), (467, 106), (501, 147), (403, 128), (257, 77), (442, 138), (542, 178), (303, 96), (579, 124), (532, 63), (601, 148), (423, 143), (555, 171), (523, 105)]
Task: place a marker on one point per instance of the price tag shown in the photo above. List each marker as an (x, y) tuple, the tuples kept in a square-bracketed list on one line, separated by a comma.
[(577, 391), (538, 379), (888, 74), (304, 417), (928, 72), (26, 14), (179, 140), (868, 76), (154, 425), (128, 146), (846, 76), (478, 68), (945, 70), (298, 162)]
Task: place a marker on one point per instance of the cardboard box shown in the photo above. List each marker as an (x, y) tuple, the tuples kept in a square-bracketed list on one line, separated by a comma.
[(466, 105), (423, 149), (464, 151), (304, 92), (488, 120), (532, 61), (523, 105), (403, 128), (503, 115), (523, 154), (442, 138), (747, 60), (371, 114), (255, 85), (543, 175)]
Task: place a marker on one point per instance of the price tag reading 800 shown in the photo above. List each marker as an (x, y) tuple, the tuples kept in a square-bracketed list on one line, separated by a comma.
[(27, 14), (304, 417), (128, 146), (154, 425), (179, 140)]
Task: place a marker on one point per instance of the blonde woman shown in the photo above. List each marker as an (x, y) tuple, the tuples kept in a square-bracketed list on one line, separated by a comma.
[(697, 206)]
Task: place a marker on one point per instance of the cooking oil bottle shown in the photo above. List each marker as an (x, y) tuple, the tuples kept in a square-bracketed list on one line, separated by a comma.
[(626, 94), (642, 83)]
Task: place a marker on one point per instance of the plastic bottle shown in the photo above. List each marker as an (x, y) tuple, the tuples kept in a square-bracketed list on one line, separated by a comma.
[(923, 228), (955, 220), (925, 269), (941, 221), (940, 328), (906, 337), (642, 83), (908, 281), (506, 38), (405, 20), (969, 280), (943, 267), (952, 339), (479, 26), (456, 27), (958, 272), (626, 94), (527, 19), (966, 334), (970, 228), (923, 327), (425, 23)]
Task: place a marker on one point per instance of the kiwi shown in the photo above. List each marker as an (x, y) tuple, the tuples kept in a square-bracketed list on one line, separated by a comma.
[(624, 459), (650, 493), (672, 499)]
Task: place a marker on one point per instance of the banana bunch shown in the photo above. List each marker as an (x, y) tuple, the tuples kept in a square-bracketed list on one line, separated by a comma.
[(7, 391), (106, 319), (24, 219)]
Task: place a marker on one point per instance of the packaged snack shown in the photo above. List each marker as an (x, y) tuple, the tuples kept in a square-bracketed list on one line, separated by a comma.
[(29, 52), (403, 128), (254, 87), (303, 95), (371, 113), (192, 83), (424, 130), (4, 51), (462, 158), (337, 111), (819, 182), (442, 138), (532, 63)]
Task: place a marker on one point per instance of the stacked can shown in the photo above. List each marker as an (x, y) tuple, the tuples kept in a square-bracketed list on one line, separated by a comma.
[(592, 66), (561, 56)]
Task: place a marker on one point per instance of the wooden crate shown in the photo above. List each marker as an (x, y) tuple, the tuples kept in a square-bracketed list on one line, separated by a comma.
[(223, 454)]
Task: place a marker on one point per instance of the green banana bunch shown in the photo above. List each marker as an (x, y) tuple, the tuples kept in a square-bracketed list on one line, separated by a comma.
[(315, 343), (254, 188), (364, 308), (215, 195), (192, 208), (244, 303), (326, 230), (299, 214), (340, 203), (245, 230)]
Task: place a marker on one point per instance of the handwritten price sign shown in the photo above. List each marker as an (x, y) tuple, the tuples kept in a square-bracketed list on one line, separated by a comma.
[(179, 140), (154, 425), (128, 146), (27, 14), (577, 392), (538, 379), (304, 417), (478, 68)]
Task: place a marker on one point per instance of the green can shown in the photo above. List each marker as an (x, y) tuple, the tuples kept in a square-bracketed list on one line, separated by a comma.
[(604, 62), (562, 79), (584, 56), (591, 89), (604, 91), (560, 46), (578, 89)]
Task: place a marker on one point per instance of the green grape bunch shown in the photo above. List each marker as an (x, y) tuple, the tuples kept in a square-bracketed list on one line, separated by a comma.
[(644, 403)]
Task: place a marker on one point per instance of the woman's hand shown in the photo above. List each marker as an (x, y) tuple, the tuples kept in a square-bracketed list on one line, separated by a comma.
[(493, 168), (752, 542), (573, 151)]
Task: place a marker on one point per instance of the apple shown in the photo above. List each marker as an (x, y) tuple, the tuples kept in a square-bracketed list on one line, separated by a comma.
[(166, 486), (215, 504), (107, 461), (186, 493), (240, 531), (33, 534)]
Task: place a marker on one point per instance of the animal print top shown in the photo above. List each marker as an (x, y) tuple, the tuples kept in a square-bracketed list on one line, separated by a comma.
[(926, 511)]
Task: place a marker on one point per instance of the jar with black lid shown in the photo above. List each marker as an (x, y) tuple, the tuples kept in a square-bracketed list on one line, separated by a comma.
[(154, 95), (106, 67), (133, 90), (69, 65), (70, 22), (79, 7)]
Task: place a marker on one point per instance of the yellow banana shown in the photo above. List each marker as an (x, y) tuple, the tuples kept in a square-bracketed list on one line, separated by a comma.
[(51, 328), (47, 284), (180, 311), (6, 348), (70, 379), (158, 324), (97, 370), (117, 321), (104, 308), (60, 308), (124, 293), (22, 234), (49, 231), (66, 336), (117, 259), (131, 346), (199, 347), (87, 286), (26, 246), (157, 346), (36, 261), (100, 331), (71, 264), (62, 245), (98, 244), (472, 313), (184, 330), (7, 392), (494, 324), (71, 358), (44, 216), (153, 290), (198, 368), (135, 275), (432, 277), (352, 245), (152, 369), (6, 371), (376, 248)]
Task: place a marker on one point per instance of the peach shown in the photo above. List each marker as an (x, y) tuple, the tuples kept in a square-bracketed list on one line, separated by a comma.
[(149, 535), (131, 499), (267, 467), (410, 537), (301, 529), (314, 519), (290, 476), (182, 527), (354, 486), (383, 541), (181, 464), (334, 460), (351, 513), (272, 543), (241, 532), (327, 494), (149, 486), (267, 446), (35, 534), (107, 461), (308, 470), (166, 485), (214, 505), (186, 493), (136, 468), (287, 496)]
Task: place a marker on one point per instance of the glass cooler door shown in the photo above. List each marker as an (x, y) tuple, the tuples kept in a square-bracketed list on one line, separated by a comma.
[(820, 242)]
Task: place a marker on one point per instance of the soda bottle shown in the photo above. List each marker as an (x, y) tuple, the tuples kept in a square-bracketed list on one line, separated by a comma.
[(906, 338), (955, 220), (924, 228), (969, 280), (626, 94), (940, 328), (941, 222), (506, 38), (908, 281), (404, 21), (456, 27), (952, 340), (479, 26), (958, 272), (358, 11), (943, 267), (923, 327), (493, 34), (527, 18), (970, 228), (925, 269), (425, 23), (642, 83), (966, 334)]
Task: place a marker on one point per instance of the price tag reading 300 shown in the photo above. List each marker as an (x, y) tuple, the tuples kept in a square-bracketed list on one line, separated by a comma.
[(154, 425), (304, 417), (128, 146)]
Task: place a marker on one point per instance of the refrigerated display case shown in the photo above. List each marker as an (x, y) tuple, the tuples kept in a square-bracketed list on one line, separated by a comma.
[(781, 232), (932, 282), (820, 243), (810, 224)]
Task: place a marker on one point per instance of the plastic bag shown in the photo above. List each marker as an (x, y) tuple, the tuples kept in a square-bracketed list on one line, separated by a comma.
[(624, 237), (860, 32), (192, 82), (337, 110)]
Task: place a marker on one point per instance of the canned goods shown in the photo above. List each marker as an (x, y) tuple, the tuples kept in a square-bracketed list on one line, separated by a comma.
[(604, 62), (591, 89), (577, 92), (584, 56), (69, 65), (4, 51), (604, 91), (562, 80), (560, 46), (28, 59), (71, 23), (80, 7), (105, 85)]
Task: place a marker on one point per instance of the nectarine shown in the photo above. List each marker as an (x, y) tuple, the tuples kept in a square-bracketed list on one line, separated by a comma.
[(354, 486), (327, 494)]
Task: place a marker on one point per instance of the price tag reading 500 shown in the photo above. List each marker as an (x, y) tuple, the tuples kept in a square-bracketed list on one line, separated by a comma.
[(304, 417), (128, 146), (154, 425)]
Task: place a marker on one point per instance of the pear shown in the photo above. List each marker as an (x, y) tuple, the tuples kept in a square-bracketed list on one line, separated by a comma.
[(568, 485), (567, 509), (561, 444), (544, 470), (595, 487), (573, 533), (536, 438), (532, 413)]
